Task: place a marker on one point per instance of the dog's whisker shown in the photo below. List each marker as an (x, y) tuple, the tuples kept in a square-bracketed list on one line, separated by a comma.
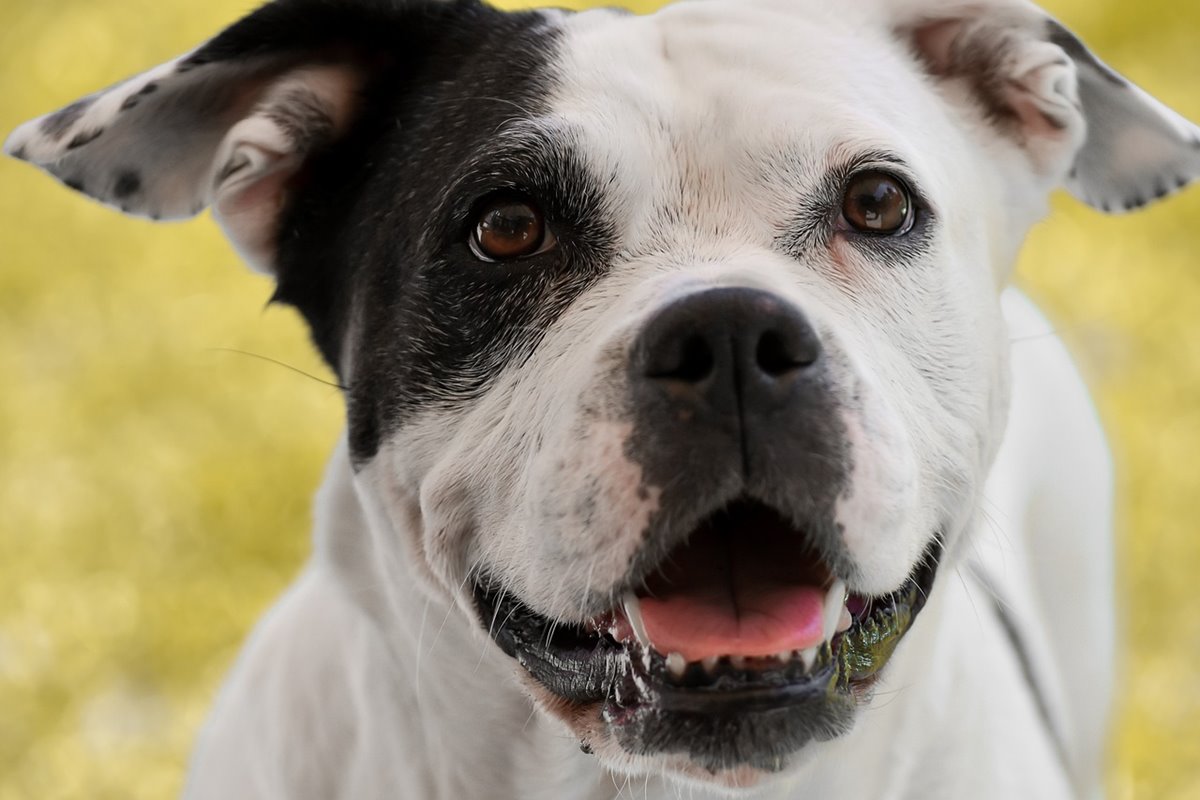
[(278, 363)]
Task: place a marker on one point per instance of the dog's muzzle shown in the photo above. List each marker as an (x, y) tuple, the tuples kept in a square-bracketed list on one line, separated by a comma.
[(733, 640)]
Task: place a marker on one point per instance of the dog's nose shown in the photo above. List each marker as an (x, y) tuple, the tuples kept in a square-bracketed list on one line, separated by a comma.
[(732, 350)]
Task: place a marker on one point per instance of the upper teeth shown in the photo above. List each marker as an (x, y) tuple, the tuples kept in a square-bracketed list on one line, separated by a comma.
[(835, 603), (633, 613)]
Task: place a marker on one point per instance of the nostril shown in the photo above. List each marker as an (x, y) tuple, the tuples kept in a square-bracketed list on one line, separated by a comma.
[(697, 360), (692, 361), (776, 356)]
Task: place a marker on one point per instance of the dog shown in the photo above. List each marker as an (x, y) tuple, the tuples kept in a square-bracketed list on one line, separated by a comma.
[(686, 451)]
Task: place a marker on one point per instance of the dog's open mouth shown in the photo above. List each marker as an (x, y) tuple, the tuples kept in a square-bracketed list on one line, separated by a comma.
[(741, 647)]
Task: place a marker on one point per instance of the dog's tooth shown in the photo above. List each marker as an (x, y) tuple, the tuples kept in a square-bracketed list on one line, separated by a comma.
[(808, 658), (633, 613), (784, 657), (846, 620), (709, 663), (739, 662), (676, 664), (835, 603)]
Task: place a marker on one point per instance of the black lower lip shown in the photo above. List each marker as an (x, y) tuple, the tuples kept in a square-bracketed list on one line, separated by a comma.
[(651, 711)]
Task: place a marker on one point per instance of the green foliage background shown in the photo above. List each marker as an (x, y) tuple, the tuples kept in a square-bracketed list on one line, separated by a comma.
[(154, 487)]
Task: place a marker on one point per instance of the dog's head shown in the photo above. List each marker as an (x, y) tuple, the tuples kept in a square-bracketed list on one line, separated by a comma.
[(672, 346)]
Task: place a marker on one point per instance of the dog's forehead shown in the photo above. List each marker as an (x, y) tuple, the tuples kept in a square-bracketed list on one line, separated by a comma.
[(705, 104)]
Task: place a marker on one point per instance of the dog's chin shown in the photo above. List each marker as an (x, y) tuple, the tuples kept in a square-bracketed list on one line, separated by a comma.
[(732, 719)]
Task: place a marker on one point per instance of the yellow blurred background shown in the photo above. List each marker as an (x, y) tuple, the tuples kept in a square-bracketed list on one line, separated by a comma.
[(154, 486)]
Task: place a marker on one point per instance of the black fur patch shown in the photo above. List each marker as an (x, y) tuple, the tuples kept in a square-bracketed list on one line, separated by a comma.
[(375, 240)]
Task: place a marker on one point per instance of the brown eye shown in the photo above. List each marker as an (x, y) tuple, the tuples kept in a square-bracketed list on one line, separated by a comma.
[(876, 202), (508, 228)]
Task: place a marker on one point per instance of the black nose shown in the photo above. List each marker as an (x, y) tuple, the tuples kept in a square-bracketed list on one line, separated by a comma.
[(733, 350)]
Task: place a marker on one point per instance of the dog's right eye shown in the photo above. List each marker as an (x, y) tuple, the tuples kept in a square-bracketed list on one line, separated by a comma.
[(508, 228)]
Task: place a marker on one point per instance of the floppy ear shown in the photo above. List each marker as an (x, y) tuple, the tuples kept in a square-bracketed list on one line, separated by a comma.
[(231, 124), (1113, 146)]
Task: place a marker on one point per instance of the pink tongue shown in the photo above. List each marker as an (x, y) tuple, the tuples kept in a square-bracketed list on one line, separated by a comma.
[(700, 623)]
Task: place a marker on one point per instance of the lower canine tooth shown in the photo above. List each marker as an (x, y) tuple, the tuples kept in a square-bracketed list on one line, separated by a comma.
[(676, 664), (845, 621), (808, 657)]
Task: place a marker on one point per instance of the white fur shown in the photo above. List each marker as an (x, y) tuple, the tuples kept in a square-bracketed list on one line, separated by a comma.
[(360, 681)]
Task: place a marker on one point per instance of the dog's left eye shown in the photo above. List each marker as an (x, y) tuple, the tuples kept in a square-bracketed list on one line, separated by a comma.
[(878, 203), (508, 228)]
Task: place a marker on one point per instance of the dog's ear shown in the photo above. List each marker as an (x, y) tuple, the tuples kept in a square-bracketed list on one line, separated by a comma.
[(1080, 123), (232, 123)]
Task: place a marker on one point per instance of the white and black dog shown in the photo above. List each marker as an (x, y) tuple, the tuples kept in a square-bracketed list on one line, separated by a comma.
[(685, 451)]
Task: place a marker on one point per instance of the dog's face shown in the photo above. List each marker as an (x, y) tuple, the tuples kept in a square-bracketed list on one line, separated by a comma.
[(672, 346)]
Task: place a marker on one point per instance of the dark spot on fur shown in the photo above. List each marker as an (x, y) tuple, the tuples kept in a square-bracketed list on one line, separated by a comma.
[(87, 137), (1161, 190), (149, 88), (20, 153), (130, 102), (55, 126), (192, 63), (128, 183), (74, 183), (1181, 181)]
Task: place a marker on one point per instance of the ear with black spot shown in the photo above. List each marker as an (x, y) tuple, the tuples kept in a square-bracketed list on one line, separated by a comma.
[(231, 124), (1083, 125)]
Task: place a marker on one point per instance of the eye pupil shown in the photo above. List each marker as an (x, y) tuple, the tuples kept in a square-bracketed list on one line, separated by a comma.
[(508, 229), (876, 202)]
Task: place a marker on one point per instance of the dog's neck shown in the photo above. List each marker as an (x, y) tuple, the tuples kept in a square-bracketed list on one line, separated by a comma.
[(475, 733)]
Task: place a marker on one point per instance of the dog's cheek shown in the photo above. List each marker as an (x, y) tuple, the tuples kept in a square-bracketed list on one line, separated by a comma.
[(397, 524), (879, 513), (592, 506)]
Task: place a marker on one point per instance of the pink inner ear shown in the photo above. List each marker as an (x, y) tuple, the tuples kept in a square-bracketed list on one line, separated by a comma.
[(262, 156), (935, 43), (249, 213), (1024, 85), (1034, 120)]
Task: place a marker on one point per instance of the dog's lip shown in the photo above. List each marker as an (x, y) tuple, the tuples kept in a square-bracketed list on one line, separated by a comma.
[(603, 660)]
